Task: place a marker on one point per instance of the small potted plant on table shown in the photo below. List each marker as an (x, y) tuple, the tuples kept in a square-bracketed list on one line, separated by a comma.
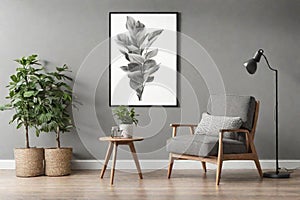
[(127, 117), (24, 94), (57, 99)]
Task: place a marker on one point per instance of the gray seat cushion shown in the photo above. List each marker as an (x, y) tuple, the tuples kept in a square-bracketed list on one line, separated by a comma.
[(203, 145)]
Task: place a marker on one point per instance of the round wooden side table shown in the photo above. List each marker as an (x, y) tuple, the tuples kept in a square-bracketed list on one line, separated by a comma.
[(114, 142)]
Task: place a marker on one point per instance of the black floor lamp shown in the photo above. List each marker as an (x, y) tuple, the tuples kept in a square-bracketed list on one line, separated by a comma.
[(251, 66)]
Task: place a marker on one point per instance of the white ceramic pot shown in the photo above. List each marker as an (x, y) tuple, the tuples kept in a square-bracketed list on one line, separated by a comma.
[(127, 130)]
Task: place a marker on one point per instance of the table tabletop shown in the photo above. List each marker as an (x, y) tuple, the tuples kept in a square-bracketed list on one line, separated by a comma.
[(121, 139)]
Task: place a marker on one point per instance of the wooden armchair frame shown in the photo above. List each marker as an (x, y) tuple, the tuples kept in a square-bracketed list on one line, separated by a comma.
[(218, 160)]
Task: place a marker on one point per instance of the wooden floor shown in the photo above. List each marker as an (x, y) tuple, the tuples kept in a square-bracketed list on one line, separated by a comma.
[(184, 185)]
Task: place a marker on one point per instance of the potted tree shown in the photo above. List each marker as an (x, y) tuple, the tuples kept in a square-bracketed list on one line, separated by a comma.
[(24, 94), (127, 118), (55, 118)]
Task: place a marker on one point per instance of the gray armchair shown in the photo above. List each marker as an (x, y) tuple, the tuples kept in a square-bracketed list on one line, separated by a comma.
[(217, 147)]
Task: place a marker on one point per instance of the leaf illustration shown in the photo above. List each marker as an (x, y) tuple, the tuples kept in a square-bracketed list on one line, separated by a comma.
[(136, 58), (125, 54), (153, 69), (148, 64), (132, 48), (135, 85), (134, 67), (141, 66), (151, 54), (154, 34), (150, 79), (136, 76), (130, 24), (150, 43), (141, 37), (125, 68), (122, 37)]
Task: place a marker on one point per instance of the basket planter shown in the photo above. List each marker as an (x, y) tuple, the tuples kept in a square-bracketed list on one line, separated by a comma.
[(58, 161), (29, 162)]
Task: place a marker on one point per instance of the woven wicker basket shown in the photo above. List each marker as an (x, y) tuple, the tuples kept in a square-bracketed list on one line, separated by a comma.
[(29, 162), (58, 161)]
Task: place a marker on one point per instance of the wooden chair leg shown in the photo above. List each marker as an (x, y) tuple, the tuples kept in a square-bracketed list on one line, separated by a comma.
[(108, 153), (203, 166), (258, 168), (112, 173), (220, 160), (171, 161), (256, 160), (219, 170)]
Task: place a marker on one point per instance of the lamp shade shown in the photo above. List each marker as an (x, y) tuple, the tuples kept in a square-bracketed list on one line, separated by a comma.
[(251, 65)]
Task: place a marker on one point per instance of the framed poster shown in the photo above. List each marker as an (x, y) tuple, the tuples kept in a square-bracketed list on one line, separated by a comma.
[(143, 58)]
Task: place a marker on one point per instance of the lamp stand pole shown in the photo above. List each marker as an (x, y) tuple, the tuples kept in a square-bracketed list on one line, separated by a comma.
[(277, 173)]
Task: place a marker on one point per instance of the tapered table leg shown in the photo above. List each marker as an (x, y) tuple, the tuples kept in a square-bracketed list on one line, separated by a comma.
[(112, 173), (108, 153), (135, 158)]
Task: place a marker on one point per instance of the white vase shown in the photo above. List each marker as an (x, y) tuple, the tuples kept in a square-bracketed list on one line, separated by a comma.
[(127, 130)]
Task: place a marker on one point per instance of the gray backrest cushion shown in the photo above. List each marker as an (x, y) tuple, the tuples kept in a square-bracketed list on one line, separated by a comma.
[(210, 125), (233, 106)]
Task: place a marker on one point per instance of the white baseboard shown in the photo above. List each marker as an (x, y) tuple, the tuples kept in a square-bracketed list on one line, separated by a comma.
[(162, 164)]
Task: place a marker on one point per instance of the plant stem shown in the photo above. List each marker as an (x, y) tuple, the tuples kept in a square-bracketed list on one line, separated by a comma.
[(58, 137), (141, 94), (26, 137)]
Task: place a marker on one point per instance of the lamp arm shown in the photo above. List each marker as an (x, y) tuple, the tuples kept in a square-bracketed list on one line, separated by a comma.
[(275, 70)]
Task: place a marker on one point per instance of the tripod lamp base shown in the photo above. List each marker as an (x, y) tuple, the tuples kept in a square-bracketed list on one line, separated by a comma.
[(276, 175)]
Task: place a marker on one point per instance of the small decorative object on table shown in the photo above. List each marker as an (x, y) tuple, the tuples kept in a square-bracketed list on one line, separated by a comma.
[(115, 132), (127, 117)]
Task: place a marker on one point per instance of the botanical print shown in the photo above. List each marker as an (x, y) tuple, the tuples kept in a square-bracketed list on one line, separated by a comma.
[(143, 59), (134, 45)]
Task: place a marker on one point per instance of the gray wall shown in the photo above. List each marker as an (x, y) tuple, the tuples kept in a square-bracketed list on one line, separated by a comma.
[(230, 30)]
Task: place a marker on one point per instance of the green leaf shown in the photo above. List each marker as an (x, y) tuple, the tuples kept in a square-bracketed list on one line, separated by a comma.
[(14, 78), (19, 125), (11, 93), (29, 93)]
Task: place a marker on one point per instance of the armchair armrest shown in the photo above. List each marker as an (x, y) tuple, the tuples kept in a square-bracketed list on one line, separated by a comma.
[(222, 131), (175, 126)]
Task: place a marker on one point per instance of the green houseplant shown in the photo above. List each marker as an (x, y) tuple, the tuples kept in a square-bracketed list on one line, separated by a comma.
[(127, 118), (25, 91), (56, 118)]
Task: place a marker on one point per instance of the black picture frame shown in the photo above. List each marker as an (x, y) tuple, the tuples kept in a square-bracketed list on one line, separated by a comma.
[(176, 17)]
